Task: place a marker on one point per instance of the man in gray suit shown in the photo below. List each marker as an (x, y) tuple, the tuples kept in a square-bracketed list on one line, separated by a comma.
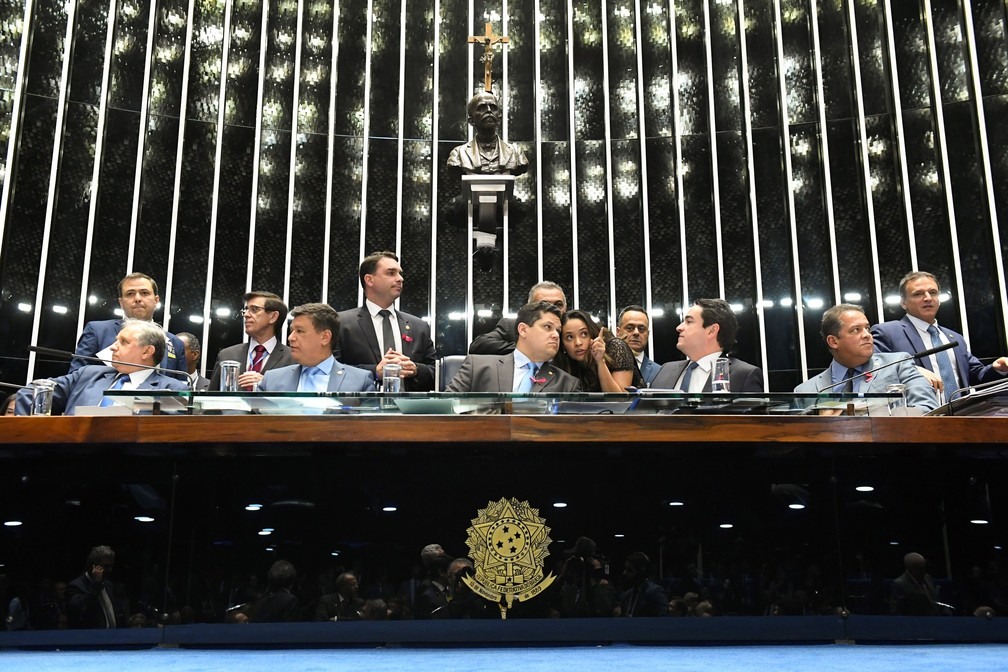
[(856, 367), (138, 348), (314, 332), (527, 368), (706, 333), (265, 314)]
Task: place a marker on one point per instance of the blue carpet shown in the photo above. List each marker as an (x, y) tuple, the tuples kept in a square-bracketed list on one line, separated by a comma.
[(825, 658)]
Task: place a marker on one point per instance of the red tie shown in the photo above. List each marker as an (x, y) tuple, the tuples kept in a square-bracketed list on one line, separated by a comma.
[(257, 362)]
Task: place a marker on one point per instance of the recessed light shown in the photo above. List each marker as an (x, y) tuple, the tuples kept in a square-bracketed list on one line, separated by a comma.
[(143, 519), (559, 505), (796, 507), (12, 523), (389, 509), (865, 488), (253, 507), (619, 536), (979, 521), (676, 502), (726, 526)]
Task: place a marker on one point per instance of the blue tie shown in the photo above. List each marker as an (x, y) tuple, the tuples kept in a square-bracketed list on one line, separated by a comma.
[(688, 376), (313, 380), (525, 380), (117, 385), (944, 364)]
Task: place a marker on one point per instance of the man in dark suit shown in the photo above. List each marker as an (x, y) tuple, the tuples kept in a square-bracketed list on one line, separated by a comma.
[(88, 597), (501, 339), (313, 331), (633, 325), (377, 334), (844, 328), (706, 333), (279, 604), (919, 330), (342, 605), (265, 315), (138, 346), (528, 368), (138, 298), (193, 350), (914, 592)]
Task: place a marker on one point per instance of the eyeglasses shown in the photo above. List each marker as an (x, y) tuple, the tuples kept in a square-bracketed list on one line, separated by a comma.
[(255, 310)]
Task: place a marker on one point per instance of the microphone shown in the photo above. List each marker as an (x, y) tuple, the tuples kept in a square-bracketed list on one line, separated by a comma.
[(66, 354), (916, 355)]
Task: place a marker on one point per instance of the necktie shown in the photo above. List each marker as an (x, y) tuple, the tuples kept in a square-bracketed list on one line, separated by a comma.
[(258, 359), (117, 385), (688, 376), (388, 338), (313, 380), (944, 363), (524, 380), (848, 387)]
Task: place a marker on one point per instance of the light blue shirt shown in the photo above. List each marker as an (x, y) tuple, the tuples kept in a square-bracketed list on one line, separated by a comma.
[(523, 367), (319, 382), (838, 373)]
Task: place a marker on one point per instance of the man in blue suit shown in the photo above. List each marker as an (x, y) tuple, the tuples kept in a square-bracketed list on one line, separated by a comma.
[(314, 333), (137, 349), (632, 326), (138, 298), (844, 327), (919, 330)]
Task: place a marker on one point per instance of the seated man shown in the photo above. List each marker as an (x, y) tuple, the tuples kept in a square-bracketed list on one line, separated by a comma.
[(919, 330), (501, 339), (845, 329), (528, 368), (314, 332), (706, 333), (135, 353), (138, 298)]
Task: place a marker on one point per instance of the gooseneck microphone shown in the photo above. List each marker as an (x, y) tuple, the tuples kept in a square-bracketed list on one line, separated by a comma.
[(916, 355), (66, 354)]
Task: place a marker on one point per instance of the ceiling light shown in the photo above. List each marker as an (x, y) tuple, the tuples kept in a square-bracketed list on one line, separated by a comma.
[(726, 526), (559, 505), (12, 523), (796, 507), (143, 519), (253, 507), (389, 509), (865, 488)]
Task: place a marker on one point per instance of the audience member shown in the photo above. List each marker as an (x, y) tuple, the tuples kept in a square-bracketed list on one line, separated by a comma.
[(134, 353), (138, 298), (633, 325), (192, 354), (314, 333), (342, 605), (600, 360), (89, 599), (377, 333), (527, 368), (264, 316), (913, 592), (279, 604), (707, 333), (857, 368), (641, 595), (919, 330), (502, 338)]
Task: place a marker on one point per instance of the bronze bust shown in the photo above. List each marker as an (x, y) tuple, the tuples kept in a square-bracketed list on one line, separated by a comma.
[(487, 153)]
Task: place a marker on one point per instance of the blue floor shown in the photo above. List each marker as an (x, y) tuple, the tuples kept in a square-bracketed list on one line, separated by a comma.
[(622, 658)]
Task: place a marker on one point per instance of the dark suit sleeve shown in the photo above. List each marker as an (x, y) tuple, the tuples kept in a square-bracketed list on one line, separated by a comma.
[(87, 346), (753, 381), (64, 384), (498, 341), (881, 336), (423, 381), (178, 362)]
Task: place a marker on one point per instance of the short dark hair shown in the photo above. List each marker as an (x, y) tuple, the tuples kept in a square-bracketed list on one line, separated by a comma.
[(531, 313), (639, 561), (719, 312), (101, 555), (910, 277), (281, 574), (370, 263), (138, 276), (323, 316), (831, 322), (190, 340), (632, 308), (151, 333), (273, 304)]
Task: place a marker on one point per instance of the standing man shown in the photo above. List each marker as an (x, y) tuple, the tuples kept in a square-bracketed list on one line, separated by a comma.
[(377, 334), (265, 314), (88, 597), (192, 355), (138, 298), (313, 331), (501, 340), (919, 330), (632, 326), (706, 333), (134, 355), (856, 367), (527, 368)]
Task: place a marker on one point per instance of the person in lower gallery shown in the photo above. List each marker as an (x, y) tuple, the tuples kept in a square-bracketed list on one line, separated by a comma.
[(89, 602), (528, 368), (314, 334), (706, 333)]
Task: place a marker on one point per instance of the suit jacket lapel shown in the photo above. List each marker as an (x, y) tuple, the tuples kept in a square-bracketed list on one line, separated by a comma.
[(274, 358), (405, 335), (505, 373), (910, 331), (547, 374), (336, 377), (366, 325)]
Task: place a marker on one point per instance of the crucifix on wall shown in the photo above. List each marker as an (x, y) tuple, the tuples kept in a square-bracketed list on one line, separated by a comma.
[(488, 40)]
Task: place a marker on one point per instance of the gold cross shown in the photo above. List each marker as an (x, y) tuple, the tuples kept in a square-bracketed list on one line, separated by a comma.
[(488, 41)]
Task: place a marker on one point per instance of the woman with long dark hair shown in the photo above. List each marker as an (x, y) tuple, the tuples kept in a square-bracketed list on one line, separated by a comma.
[(598, 358)]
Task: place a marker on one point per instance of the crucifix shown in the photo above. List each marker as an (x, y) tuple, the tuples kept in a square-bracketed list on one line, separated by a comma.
[(488, 40)]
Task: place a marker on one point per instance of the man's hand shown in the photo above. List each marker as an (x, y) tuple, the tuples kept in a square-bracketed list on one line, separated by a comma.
[(932, 377), (249, 379), (1001, 365), (409, 367)]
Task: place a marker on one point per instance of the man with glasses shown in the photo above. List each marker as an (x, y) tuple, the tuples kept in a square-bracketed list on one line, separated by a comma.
[(138, 298), (501, 340), (265, 314), (632, 326)]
